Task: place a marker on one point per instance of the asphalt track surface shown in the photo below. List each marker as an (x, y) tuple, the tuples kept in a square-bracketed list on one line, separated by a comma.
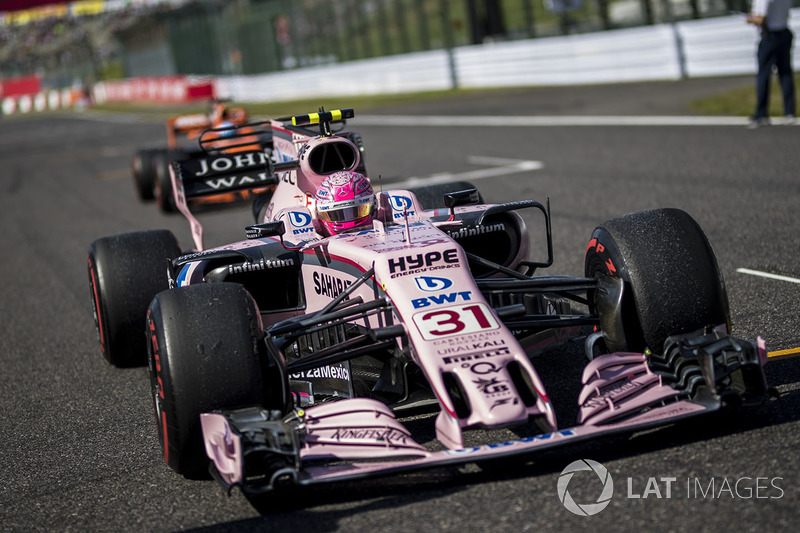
[(78, 446)]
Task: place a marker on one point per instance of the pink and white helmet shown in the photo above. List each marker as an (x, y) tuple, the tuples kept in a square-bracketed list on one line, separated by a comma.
[(345, 202)]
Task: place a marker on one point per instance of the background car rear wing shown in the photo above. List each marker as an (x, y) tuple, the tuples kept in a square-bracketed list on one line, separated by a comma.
[(219, 174), (238, 159)]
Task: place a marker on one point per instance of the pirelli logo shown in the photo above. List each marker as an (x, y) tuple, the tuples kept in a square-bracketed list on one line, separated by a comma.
[(475, 356)]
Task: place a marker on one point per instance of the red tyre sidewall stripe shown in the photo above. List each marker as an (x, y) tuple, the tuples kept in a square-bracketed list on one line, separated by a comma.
[(156, 368), (97, 310), (166, 440)]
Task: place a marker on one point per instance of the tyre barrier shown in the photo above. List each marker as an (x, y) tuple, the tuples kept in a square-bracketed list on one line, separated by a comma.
[(71, 98)]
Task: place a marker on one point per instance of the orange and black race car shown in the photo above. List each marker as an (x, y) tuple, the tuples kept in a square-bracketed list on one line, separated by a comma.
[(150, 166)]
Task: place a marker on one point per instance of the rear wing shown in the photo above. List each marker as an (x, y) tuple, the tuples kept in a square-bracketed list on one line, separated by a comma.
[(188, 125), (184, 123), (237, 158), (221, 173), (224, 173), (234, 158), (237, 138), (192, 125)]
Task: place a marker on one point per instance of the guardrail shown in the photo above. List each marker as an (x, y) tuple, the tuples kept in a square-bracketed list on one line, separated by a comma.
[(698, 48)]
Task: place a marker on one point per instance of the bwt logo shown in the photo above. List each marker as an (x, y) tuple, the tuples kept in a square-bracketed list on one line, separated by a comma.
[(585, 509), (400, 203), (299, 219), (433, 284), (439, 299)]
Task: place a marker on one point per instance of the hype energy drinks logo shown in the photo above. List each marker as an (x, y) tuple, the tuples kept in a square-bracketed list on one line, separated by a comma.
[(585, 487)]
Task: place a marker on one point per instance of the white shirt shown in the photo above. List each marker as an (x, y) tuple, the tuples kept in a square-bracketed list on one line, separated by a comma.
[(775, 11)]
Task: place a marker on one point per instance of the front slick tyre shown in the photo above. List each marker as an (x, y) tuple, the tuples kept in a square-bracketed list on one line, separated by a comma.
[(205, 354), (125, 272), (671, 281)]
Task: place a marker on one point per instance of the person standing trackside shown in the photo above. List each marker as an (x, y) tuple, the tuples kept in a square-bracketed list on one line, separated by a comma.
[(774, 49)]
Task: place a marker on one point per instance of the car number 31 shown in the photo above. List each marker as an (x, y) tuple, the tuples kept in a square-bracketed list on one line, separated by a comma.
[(456, 320)]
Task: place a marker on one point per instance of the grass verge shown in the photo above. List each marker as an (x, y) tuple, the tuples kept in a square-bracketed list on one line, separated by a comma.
[(287, 108), (741, 102)]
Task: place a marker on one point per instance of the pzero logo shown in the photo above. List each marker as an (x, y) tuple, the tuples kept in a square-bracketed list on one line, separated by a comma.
[(433, 284), (585, 509)]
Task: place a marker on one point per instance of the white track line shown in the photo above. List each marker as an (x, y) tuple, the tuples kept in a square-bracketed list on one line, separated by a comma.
[(504, 166), (488, 121), (767, 275), (527, 121)]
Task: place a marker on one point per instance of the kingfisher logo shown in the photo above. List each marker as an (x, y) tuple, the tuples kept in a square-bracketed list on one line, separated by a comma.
[(433, 284), (299, 219), (400, 203), (585, 509)]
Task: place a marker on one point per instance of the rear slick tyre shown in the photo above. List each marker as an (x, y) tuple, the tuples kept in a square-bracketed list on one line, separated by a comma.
[(143, 170), (165, 198), (205, 353), (671, 281)]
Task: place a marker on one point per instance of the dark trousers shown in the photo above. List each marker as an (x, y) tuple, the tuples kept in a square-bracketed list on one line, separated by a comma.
[(775, 50)]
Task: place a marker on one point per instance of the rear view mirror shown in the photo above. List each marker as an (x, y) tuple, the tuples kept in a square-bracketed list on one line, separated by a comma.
[(267, 229), (457, 198), (466, 197)]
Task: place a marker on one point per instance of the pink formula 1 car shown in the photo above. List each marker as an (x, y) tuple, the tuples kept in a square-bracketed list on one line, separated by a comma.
[(296, 355)]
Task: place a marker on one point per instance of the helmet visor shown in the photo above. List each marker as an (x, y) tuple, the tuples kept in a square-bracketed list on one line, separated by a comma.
[(346, 211)]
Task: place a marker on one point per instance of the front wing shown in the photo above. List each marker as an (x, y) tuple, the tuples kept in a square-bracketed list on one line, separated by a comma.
[(257, 450)]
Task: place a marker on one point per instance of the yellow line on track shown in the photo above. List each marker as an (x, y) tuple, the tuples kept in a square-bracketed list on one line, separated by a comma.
[(784, 354)]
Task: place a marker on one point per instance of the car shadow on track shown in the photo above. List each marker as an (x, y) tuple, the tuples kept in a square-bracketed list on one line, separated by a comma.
[(319, 508), (307, 505)]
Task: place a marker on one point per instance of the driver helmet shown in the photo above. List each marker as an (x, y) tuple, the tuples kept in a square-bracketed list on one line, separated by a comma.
[(345, 202), (226, 127), (218, 112)]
